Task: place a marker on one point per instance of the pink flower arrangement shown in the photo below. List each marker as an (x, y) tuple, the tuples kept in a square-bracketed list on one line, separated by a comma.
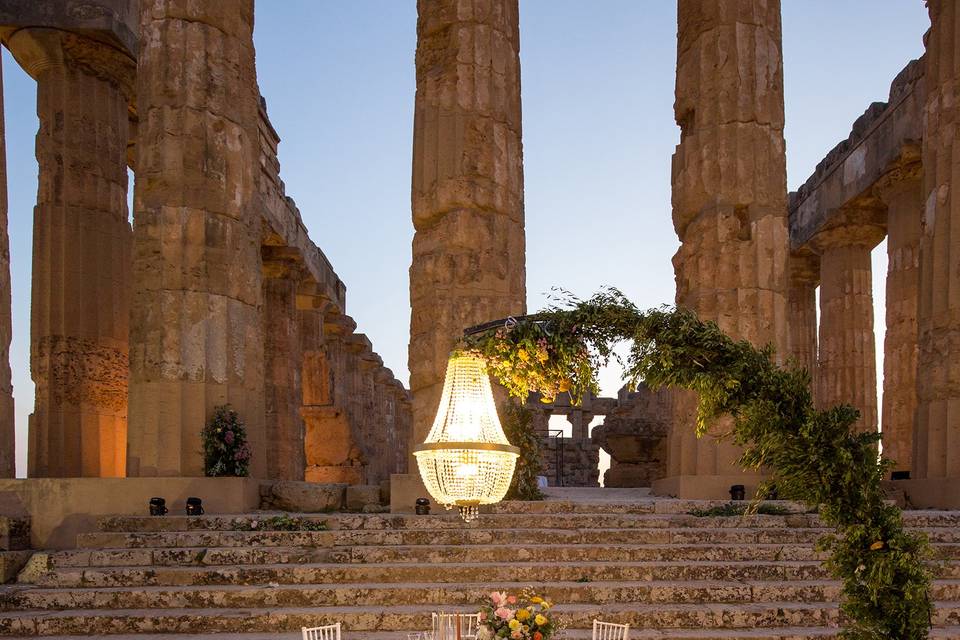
[(523, 617)]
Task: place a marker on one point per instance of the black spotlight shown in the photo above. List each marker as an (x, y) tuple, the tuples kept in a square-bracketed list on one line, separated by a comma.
[(738, 492), (423, 507), (194, 507), (158, 507)]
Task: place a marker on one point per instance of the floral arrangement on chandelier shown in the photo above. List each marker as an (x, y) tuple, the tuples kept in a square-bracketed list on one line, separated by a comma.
[(518, 617), (814, 456), (225, 448)]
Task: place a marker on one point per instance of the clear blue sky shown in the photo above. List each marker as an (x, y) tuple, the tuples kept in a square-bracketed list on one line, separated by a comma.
[(598, 79)]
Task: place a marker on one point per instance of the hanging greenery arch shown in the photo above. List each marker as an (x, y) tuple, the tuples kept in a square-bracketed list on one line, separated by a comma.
[(814, 456)]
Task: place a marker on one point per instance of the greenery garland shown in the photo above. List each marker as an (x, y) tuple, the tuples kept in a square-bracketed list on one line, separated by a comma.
[(815, 456), (518, 427)]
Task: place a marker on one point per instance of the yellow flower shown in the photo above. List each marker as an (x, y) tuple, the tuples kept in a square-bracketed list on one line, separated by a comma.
[(540, 620), (514, 624), (523, 355), (522, 615), (536, 599), (876, 546)]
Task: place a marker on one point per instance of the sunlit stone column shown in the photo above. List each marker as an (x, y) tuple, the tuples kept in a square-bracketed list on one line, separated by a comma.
[(847, 366), (81, 255), (904, 208), (937, 450), (468, 249), (283, 393), (7, 437), (804, 272), (729, 205), (196, 333)]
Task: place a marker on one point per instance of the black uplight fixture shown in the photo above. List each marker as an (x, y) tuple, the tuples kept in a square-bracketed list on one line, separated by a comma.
[(158, 507), (194, 507), (422, 507), (738, 492)]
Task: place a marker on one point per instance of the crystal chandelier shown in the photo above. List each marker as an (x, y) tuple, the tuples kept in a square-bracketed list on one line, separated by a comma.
[(466, 460)]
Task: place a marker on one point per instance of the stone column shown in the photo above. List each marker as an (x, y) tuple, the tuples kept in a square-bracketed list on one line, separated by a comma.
[(468, 250), (8, 458), (196, 332), (729, 205), (804, 269), (847, 366), (937, 450), (904, 207), (283, 393), (81, 255)]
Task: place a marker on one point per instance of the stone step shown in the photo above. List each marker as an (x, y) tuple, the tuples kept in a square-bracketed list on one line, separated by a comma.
[(378, 618), (439, 595), (507, 571), (187, 556), (556, 520), (609, 553), (783, 633), (505, 537)]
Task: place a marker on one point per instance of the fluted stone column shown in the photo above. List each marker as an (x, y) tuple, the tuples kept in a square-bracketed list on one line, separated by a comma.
[(196, 333), (937, 450), (8, 456), (81, 255), (904, 208), (804, 272), (468, 249), (729, 205), (283, 392), (847, 366)]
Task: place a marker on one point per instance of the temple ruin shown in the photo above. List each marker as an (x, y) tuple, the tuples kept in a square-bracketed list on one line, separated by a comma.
[(215, 293)]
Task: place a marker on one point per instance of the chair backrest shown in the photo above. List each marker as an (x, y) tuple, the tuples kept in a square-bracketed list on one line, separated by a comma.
[(328, 632), (445, 625), (610, 631)]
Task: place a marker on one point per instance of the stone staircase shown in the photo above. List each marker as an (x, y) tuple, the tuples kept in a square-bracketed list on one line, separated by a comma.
[(646, 562)]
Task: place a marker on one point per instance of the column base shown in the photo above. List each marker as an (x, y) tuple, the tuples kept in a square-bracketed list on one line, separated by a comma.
[(695, 487), (931, 493)]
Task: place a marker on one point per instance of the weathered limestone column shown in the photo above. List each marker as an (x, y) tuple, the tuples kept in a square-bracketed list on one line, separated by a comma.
[(729, 205), (468, 249), (937, 450), (804, 272), (196, 332), (904, 209), (283, 392), (7, 437), (81, 255), (847, 366)]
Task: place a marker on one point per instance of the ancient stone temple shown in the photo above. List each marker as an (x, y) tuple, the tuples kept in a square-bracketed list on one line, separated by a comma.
[(216, 295), (468, 250), (729, 204)]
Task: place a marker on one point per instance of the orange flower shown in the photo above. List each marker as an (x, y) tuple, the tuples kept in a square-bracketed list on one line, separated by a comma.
[(537, 635), (876, 546)]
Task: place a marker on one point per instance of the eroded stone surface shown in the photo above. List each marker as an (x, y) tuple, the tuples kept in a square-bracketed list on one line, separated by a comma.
[(469, 248)]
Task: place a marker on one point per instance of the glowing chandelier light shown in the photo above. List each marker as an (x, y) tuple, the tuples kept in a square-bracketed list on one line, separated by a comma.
[(466, 460)]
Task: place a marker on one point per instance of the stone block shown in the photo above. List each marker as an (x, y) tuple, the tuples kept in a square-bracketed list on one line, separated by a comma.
[(361, 495), (14, 533), (305, 497), (11, 562), (36, 566)]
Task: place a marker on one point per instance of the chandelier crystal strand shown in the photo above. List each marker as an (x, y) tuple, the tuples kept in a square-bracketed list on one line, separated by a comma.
[(466, 460)]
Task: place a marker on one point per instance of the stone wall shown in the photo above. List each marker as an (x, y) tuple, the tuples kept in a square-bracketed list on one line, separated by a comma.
[(634, 434)]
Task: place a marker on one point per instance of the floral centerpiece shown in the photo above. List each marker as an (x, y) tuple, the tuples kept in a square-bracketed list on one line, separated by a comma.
[(523, 617), (225, 448)]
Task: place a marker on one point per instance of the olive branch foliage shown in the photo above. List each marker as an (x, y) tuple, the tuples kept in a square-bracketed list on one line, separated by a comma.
[(814, 456)]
